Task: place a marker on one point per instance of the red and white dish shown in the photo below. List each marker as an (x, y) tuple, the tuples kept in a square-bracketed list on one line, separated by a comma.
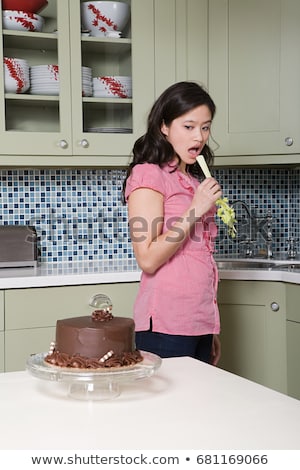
[(44, 74), (32, 6), (22, 21), (45, 92), (44, 79), (112, 86), (86, 78), (16, 75), (104, 16)]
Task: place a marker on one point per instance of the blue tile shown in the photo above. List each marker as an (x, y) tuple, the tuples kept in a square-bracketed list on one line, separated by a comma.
[(72, 206)]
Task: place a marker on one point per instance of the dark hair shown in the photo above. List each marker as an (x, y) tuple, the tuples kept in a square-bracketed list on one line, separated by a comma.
[(175, 101)]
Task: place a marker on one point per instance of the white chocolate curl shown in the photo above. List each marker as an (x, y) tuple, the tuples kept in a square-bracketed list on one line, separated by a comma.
[(106, 356), (52, 347)]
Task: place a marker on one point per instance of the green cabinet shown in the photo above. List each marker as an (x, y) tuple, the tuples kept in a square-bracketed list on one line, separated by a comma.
[(31, 314), (254, 76), (181, 52), (1, 331), (72, 129), (293, 339), (253, 331)]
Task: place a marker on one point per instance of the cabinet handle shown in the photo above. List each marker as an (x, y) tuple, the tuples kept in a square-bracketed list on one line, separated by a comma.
[(84, 143), (288, 141), (63, 144), (274, 306)]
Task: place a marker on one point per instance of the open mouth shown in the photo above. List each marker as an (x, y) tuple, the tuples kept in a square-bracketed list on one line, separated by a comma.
[(194, 151)]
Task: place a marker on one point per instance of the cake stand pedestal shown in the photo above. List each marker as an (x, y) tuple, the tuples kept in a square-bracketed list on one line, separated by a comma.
[(92, 384)]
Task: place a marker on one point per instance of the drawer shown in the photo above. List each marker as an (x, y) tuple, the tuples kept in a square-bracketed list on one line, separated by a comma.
[(235, 292), (41, 307)]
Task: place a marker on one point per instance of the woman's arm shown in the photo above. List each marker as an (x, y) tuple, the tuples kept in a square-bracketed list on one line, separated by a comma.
[(153, 248)]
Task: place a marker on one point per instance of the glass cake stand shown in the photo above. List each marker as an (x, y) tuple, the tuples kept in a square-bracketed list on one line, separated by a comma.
[(93, 384)]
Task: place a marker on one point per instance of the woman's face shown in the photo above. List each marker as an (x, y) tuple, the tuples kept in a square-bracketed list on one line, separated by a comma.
[(189, 133)]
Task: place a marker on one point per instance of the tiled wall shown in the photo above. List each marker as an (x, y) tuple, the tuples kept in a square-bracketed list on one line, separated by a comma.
[(274, 190), (79, 215)]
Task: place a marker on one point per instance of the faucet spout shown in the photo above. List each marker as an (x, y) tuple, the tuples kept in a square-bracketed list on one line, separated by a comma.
[(269, 239)]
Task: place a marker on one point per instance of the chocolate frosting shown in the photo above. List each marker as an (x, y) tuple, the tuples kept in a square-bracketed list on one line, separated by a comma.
[(80, 362), (102, 315)]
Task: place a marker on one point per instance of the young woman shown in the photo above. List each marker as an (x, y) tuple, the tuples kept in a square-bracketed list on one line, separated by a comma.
[(171, 209)]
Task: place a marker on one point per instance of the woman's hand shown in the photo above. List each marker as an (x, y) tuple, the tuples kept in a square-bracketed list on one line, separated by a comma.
[(215, 350), (206, 195)]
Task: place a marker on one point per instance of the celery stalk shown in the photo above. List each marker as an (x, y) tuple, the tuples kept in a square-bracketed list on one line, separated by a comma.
[(225, 212)]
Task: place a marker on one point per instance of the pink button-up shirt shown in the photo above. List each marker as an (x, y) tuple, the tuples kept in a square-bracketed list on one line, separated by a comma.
[(180, 296)]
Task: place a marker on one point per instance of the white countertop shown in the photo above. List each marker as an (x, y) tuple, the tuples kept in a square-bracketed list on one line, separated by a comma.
[(67, 274), (187, 404), (114, 271)]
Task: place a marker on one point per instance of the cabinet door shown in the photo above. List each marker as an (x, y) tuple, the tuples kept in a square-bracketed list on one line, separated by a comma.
[(20, 344), (180, 42), (253, 331), (2, 354), (41, 130), (1, 331), (254, 76), (1, 310), (109, 126), (293, 355), (38, 124), (293, 339)]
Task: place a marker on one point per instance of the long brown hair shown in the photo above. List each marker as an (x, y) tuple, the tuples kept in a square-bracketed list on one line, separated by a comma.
[(175, 101)]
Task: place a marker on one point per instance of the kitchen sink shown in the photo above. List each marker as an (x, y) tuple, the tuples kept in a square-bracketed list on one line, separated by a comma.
[(274, 264), (289, 267), (245, 264)]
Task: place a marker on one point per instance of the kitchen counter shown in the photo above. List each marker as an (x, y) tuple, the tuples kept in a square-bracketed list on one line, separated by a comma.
[(68, 274), (187, 404), (114, 271)]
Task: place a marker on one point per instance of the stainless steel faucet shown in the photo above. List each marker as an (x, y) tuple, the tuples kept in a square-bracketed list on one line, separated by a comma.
[(292, 249), (269, 239), (248, 235), (255, 225)]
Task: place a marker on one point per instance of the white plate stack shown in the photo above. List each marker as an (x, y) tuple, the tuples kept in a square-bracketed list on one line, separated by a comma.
[(112, 87), (44, 79), (16, 75), (87, 83)]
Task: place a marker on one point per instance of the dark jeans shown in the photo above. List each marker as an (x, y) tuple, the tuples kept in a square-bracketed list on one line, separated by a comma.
[(198, 347)]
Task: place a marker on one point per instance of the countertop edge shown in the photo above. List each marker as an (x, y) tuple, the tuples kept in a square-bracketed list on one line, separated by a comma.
[(68, 280), (30, 278)]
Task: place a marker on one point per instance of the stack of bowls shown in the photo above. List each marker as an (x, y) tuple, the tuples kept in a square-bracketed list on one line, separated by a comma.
[(44, 80), (87, 83), (16, 75), (102, 17), (22, 21), (112, 87)]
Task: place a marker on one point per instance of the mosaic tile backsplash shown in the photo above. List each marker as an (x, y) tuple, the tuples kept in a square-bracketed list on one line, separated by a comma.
[(78, 214)]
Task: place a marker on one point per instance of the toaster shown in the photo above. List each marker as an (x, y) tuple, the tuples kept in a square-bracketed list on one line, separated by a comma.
[(18, 246)]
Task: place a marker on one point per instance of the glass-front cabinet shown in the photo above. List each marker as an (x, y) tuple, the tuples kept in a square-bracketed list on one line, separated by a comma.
[(80, 87)]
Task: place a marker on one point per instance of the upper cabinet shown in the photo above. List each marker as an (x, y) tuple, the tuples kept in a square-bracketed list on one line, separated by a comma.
[(68, 123), (181, 47), (254, 77)]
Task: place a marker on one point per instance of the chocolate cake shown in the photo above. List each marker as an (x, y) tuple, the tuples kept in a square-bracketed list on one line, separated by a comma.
[(93, 342)]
